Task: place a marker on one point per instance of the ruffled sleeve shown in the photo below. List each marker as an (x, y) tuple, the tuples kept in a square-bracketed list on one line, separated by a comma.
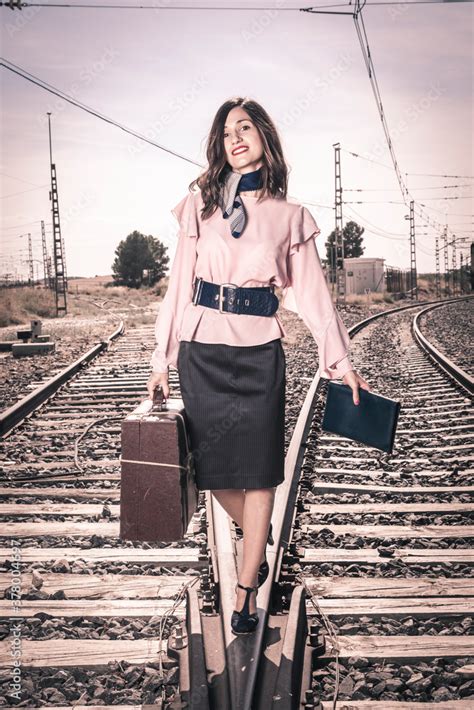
[(186, 214), (180, 287), (302, 227), (307, 294)]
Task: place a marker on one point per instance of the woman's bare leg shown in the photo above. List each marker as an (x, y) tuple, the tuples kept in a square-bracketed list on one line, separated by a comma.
[(258, 510), (232, 500)]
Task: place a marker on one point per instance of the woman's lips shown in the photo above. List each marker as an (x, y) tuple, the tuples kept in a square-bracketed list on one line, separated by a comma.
[(237, 151)]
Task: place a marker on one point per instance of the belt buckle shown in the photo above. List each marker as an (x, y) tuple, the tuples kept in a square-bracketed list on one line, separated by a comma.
[(221, 295)]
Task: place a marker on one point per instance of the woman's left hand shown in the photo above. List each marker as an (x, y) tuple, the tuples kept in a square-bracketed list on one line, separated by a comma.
[(354, 380)]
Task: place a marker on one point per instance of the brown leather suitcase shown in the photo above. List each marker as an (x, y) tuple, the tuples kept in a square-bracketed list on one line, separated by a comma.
[(158, 495)]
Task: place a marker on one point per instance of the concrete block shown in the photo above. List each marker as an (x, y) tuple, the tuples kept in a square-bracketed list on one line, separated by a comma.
[(21, 349), (36, 326), (23, 334)]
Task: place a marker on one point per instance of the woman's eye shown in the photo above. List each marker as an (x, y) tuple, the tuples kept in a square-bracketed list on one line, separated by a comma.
[(244, 126)]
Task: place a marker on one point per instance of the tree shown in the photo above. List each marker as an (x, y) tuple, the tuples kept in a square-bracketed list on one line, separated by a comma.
[(134, 255), (352, 240)]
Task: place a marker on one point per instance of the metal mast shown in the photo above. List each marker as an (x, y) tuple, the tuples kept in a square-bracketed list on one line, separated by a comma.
[(446, 264), (336, 271), (437, 276), (413, 276), (45, 255), (453, 261), (60, 281), (31, 277)]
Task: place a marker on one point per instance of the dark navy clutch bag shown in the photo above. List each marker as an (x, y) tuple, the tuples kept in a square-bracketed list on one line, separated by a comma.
[(373, 421)]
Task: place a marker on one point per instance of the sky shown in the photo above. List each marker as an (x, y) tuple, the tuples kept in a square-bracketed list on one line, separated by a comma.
[(164, 72)]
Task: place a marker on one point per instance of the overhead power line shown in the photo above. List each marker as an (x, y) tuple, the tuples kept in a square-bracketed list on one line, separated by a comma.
[(22, 192), (390, 167), (393, 189), (364, 44), (18, 5), (47, 87)]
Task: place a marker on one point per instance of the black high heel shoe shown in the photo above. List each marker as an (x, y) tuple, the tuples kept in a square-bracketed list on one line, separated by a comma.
[(264, 568), (241, 621), (263, 571), (270, 540)]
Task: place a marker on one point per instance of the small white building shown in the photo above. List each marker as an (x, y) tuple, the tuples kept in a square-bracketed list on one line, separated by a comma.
[(364, 272)]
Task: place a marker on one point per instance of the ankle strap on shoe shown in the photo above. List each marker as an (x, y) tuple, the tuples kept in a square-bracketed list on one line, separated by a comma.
[(247, 589)]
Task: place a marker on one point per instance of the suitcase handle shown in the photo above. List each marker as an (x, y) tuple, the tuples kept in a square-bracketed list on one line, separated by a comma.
[(158, 399)]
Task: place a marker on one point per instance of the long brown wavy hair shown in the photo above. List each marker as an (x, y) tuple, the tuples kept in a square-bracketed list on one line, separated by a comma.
[(274, 168)]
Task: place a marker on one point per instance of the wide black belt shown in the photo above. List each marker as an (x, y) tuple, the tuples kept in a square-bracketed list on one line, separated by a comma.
[(230, 298)]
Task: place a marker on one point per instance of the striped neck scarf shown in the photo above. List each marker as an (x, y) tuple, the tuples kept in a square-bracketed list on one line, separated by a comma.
[(230, 201)]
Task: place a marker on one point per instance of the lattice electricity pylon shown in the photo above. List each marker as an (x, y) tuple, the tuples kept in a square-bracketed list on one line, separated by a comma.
[(413, 275), (45, 255), (338, 276), (60, 285), (446, 262), (454, 265), (437, 274), (31, 276), (65, 264), (50, 274)]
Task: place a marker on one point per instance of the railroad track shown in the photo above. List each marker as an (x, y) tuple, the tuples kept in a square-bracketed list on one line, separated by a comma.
[(369, 595)]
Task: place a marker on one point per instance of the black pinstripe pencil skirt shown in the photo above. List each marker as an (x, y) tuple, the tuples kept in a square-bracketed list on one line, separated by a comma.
[(234, 399)]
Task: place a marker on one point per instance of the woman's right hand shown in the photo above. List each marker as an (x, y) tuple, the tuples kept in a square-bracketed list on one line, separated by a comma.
[(158, 379)]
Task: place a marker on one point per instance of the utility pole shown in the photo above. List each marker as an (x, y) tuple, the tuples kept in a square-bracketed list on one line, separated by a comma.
[(446, 263), (64, 264), (60, 282), (413, 275), (437, 275), (50, 274), (31, 276), (469, 265), (454, 265), (45, 255), (336, 270)]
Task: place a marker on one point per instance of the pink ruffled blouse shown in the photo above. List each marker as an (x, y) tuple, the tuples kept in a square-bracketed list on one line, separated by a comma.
[(276, 247)]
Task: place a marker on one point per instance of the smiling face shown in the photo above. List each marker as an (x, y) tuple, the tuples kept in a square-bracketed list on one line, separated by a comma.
[(242, 142)]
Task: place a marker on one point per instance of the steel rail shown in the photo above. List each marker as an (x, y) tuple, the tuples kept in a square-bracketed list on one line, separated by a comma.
[(461, 376), (18, 412), (242, 669)]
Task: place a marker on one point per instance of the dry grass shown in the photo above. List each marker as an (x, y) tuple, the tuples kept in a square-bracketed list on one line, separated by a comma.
[(86, 298), (18, 305), (362, 300), (90, 296)]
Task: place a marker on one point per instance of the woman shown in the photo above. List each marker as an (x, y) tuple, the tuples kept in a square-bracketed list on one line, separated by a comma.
[(240, 229)]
